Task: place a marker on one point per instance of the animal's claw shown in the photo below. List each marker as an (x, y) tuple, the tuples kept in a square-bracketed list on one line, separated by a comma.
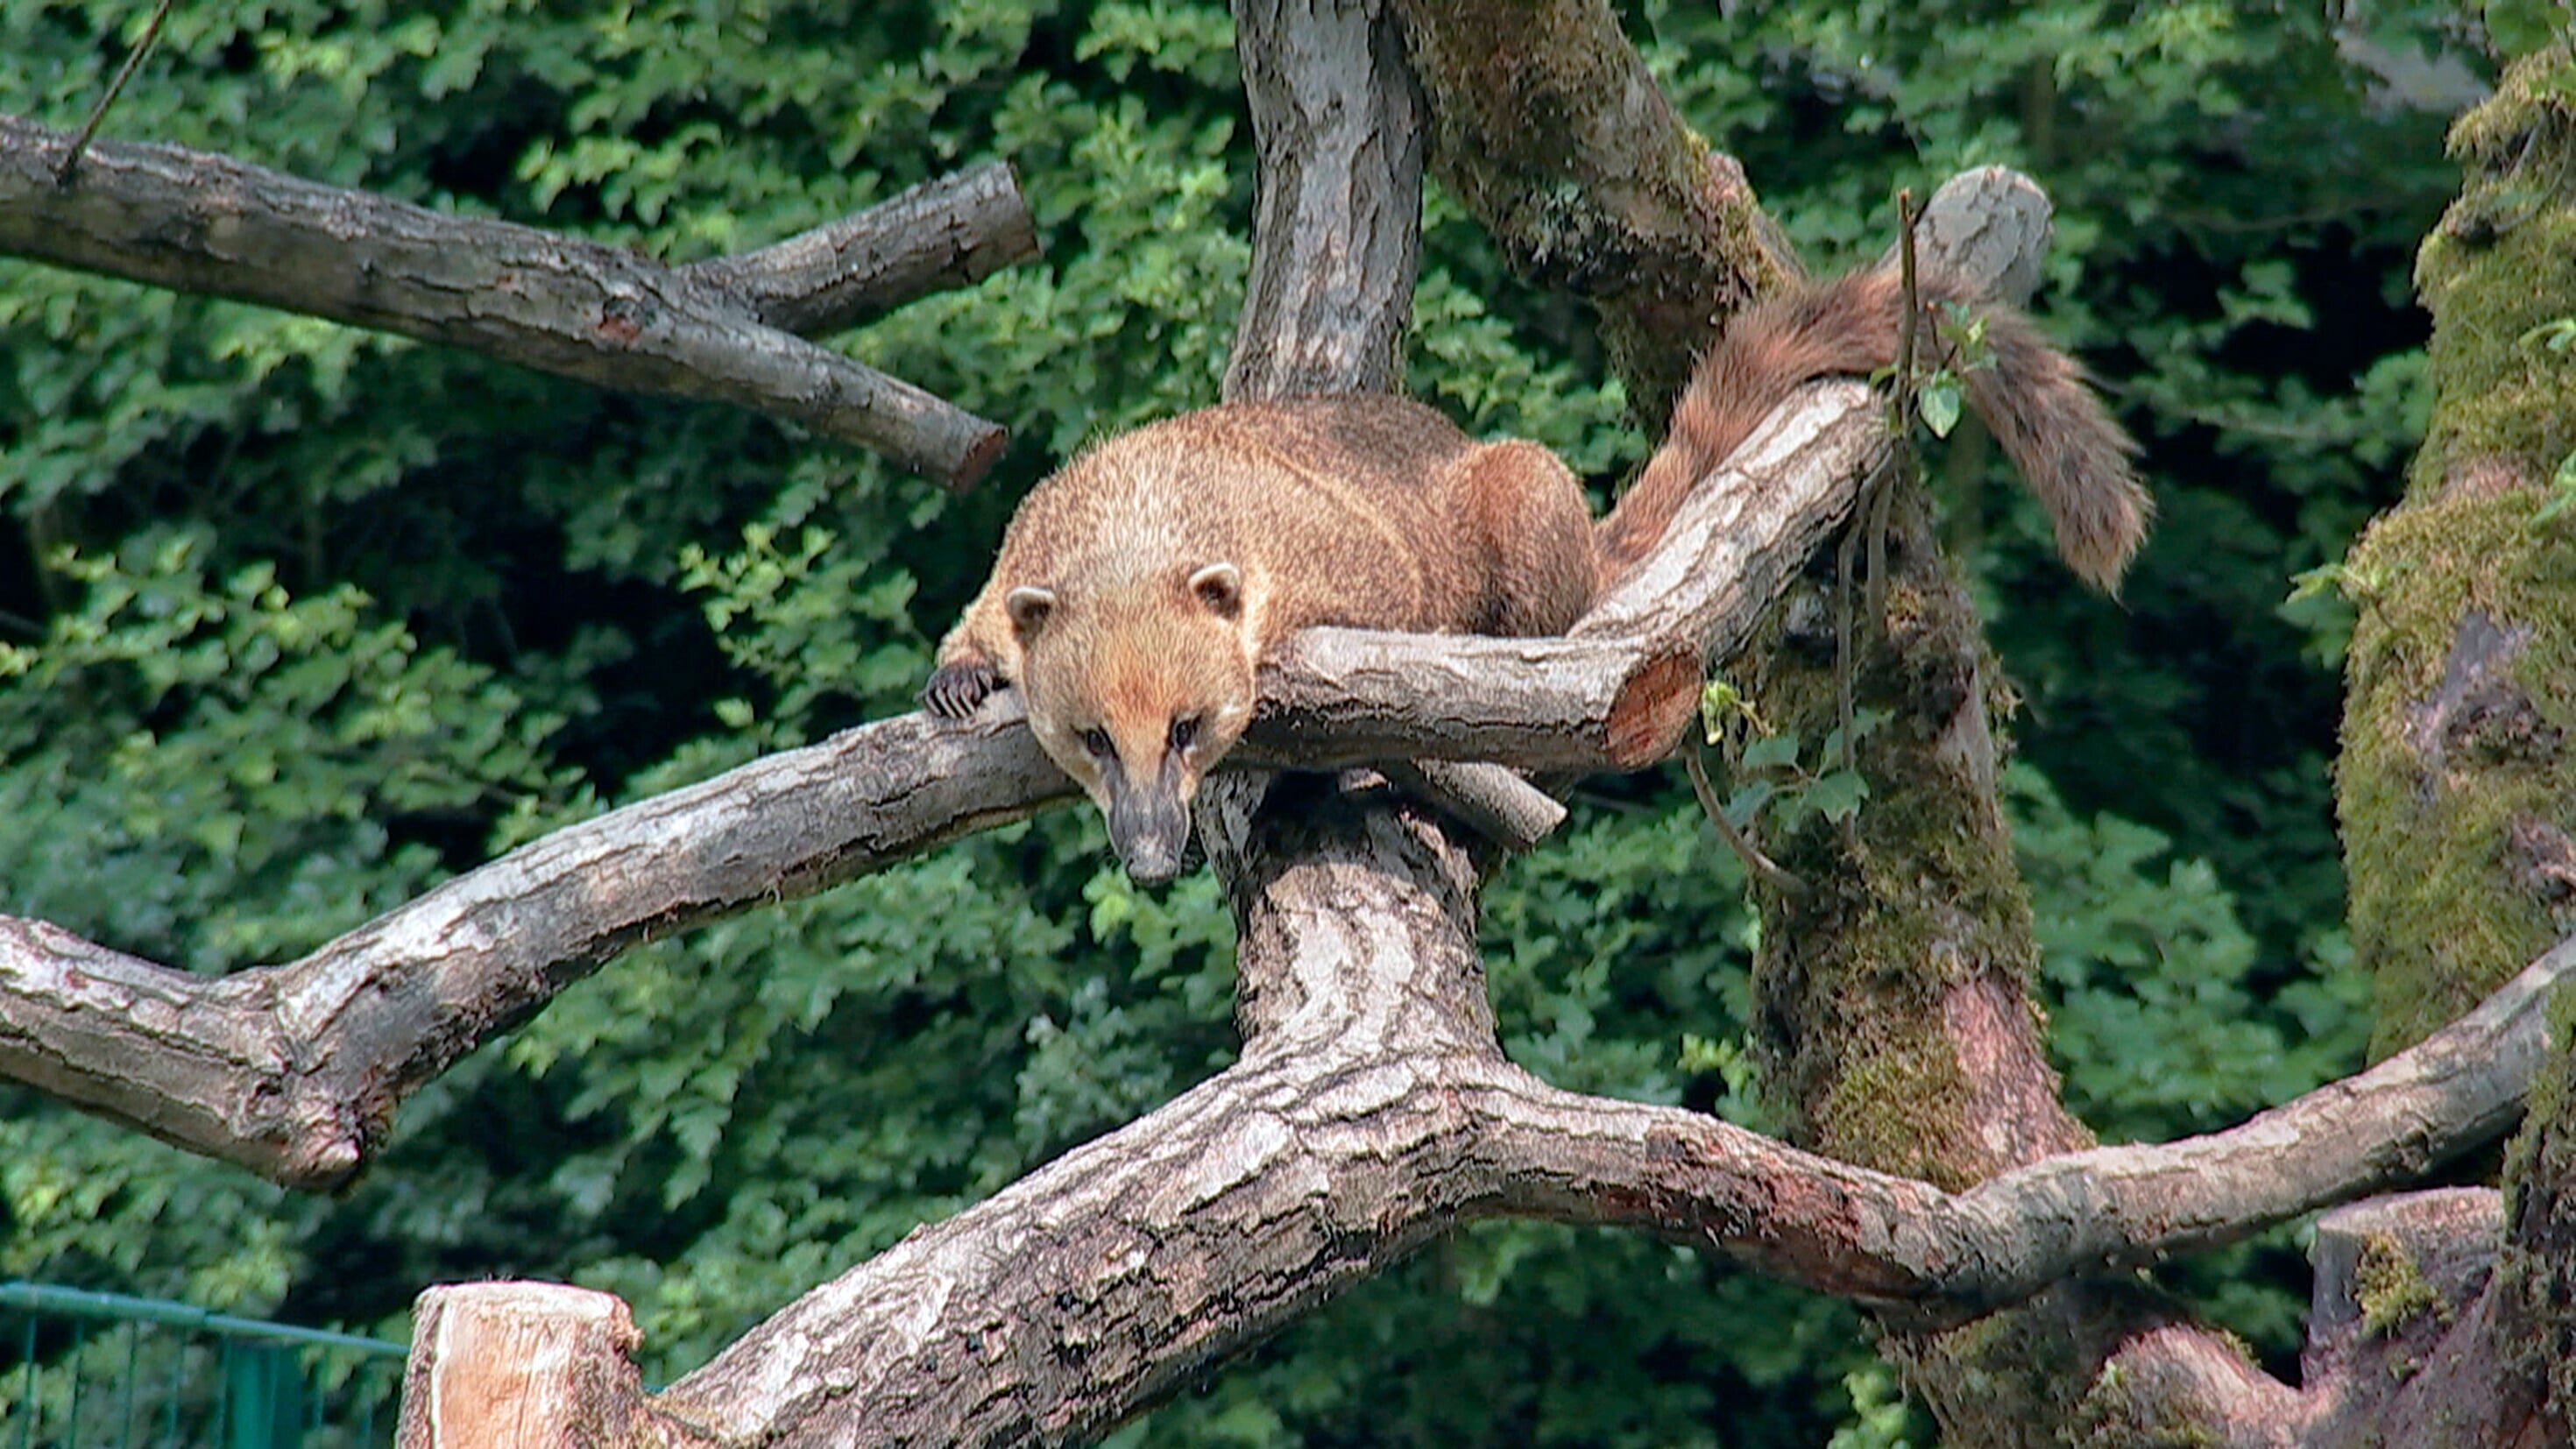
[(955, 690)]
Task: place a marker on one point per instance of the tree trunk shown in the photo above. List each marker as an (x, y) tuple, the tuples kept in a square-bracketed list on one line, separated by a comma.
[(1895, 997), (2456, 788), (2456, 781)]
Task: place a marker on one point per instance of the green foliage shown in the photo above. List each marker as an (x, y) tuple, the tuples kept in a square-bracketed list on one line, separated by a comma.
[(2164, 1018), (188, 754), (1878, 1411), (322, 616), (1777, 785), (2520, 27)]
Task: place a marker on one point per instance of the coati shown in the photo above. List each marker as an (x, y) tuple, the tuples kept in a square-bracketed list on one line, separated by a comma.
[(1138, 588)]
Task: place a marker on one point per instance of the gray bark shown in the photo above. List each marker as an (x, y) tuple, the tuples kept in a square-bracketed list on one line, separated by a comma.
[(200, 223), (936, 237), (1337, 125), (294, 1071)]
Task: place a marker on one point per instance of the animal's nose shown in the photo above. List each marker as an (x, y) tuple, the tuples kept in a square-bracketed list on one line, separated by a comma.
[(1155, 866), (1149, 835)]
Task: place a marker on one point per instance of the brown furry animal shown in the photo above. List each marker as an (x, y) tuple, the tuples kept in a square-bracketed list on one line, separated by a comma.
[(1138, 589)]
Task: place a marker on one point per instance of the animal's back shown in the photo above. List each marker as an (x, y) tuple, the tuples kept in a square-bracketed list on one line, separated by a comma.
[(1362, 511)]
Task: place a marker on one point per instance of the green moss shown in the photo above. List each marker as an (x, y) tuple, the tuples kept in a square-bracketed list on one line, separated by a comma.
[(1896, 1102), (1527, 100), (2438, 914), (2502, 262), (2121, 1412), (2114, 1417), (1923, 896), (2536, 1273), (2002, 1373), (2431, 790), (2389, 1286)]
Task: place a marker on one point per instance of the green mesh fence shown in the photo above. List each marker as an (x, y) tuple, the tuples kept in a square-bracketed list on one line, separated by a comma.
[(82, 1370)]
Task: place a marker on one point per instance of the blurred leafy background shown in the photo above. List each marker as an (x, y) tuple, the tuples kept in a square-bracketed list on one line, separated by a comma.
[(295, 620)]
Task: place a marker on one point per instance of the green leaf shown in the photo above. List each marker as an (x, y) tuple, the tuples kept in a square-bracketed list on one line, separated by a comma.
[(1837, 794), (2562, 491), (2520, 27), (2557, 335), (1771, 752), (1938, 401)]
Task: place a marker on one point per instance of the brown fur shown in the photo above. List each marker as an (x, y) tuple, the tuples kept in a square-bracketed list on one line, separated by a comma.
[(2075, 459), (1376, 512)]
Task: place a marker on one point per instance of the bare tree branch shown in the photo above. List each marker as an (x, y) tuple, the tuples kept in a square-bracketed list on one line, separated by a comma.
[(938, 236), (1340, 158), (294, 1071), (201, 223), (1618, 690), (1371, 1111)]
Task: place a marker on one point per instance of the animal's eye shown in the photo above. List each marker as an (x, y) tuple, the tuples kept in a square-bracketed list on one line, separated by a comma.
[(1184, 731), (1096, 740)]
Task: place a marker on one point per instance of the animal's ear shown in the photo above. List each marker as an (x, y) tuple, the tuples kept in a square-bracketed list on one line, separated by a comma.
[(1028, 607), (1220, 587)]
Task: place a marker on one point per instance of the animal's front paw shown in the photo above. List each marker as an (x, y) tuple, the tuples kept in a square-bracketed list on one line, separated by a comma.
[(955, 689)]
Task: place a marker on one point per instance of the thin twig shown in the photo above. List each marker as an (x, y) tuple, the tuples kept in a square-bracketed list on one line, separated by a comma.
[(1768, 871), (1909, 214), (116, 87)]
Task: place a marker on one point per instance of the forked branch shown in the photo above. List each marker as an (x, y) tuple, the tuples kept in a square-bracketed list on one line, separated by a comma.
[(201, 223)]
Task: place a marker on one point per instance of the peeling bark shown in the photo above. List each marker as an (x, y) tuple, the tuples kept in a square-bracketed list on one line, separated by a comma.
[(1337, 127)]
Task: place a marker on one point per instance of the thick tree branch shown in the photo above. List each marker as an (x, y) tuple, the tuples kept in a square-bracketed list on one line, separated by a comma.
[(294, 1071), (1618, 690), (1896, 1242), (1370, 1112), (201, 223), (1337, 124)]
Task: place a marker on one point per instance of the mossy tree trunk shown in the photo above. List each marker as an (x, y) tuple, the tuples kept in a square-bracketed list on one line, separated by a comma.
[(1895, 999), (1897, 1023), (2455, 782), (2457, 785), (2535, 1279)]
